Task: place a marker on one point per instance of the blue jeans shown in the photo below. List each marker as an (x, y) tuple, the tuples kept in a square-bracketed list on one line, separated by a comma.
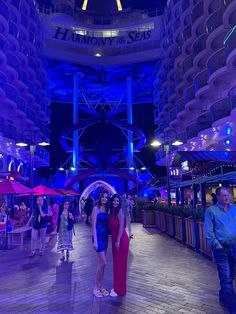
[(225, 259)]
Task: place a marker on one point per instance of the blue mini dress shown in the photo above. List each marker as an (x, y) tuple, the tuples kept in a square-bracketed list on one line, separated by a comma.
[(102, 231)]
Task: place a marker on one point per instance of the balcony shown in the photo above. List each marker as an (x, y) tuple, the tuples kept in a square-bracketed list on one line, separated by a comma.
[(187, 64), (214, 21), (4, 10), (189, 94), (170, 90), (11, 93), (232, 97), (200, 80), (13, 29), (204, 121), (182, 137), (221, 109), (180, 105), (3, 81), (199, 44), (176, 24), (187, 32), (185, 5), (173, 114), (9, 130), (197, 11), (16, 3), (21, 104), (217, 61), (192, 130)]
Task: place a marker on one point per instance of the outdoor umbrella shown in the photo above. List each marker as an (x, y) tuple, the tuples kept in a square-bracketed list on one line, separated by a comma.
[(13, 187), (42, 190)]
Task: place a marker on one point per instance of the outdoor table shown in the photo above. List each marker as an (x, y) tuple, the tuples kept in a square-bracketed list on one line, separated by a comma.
[(21, 231)]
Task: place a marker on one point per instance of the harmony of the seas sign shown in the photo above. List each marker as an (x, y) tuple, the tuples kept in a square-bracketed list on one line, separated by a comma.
[(66, 34)]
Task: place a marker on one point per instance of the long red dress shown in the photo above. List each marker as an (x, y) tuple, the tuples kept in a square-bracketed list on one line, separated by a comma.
[(120, 257)]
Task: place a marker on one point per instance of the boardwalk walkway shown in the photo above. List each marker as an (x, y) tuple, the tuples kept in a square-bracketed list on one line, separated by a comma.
[(163, 277)]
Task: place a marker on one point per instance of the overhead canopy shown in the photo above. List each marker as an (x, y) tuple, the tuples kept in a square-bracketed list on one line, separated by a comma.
[(13, 187), (208, 155)]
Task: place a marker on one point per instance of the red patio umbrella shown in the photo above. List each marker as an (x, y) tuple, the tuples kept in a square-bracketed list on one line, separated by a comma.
[(43, 190), (13, 187)]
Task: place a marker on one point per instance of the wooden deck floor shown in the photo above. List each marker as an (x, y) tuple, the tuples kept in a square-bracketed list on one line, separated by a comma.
[(163, 277)]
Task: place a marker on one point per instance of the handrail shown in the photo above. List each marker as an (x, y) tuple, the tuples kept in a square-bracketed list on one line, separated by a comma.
[(92, 18)]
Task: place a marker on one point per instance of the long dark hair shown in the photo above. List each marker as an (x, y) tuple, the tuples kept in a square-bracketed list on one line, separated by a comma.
[(111, 206), (100, 197)]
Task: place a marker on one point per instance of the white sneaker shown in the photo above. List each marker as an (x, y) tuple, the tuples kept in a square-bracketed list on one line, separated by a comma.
[(113, 293)]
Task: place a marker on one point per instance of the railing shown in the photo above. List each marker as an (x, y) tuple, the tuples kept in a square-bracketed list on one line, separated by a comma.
[(187, 32), (199, 44), (4, 10), (13, 29), (217, 60), (11, 92), (173, 114), (214, 21), (187, 64), (3, 81), (21, 104), (198, 11), (189, 94), (204, 121), (201, 80), (232, 97), (176, 24), (180, 105), (185, 5), (192, 130), (95, 19), (221, 109)]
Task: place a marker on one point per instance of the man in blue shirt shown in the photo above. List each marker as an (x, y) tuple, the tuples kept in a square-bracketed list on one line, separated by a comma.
[(220, 230)]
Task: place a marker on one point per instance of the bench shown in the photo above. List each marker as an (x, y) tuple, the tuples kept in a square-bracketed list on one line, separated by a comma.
[(21, 231)]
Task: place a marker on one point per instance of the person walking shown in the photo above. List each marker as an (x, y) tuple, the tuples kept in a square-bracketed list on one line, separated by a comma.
[(126, 207), (65, 225), (220, 230), (120, 246), (100, 241), (88, 207), (40, 216)]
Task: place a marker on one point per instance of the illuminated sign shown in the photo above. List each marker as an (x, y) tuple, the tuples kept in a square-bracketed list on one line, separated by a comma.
[(66, 34)]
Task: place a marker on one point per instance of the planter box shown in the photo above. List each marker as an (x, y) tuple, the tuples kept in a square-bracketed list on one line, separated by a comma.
[(192, 237), (205, 248), (179, 228), (170, 225), (158, 219), (141, 216), (163, 221), (149, 218)]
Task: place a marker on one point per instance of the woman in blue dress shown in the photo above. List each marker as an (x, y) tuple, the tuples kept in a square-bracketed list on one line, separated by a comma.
[(100, 241)]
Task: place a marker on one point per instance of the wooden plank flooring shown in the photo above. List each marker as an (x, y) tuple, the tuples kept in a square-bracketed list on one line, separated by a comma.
[(163, 277)]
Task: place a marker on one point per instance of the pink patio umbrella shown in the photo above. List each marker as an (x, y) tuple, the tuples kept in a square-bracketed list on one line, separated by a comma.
[(13, 187), (43, 190)]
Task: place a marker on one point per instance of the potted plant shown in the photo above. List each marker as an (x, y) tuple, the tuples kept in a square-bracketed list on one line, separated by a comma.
[(191, 228), (149, 215), (204, 247), (179, 222)]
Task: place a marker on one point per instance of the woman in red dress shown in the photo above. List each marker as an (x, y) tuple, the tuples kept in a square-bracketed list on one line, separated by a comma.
[(120, 246)]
